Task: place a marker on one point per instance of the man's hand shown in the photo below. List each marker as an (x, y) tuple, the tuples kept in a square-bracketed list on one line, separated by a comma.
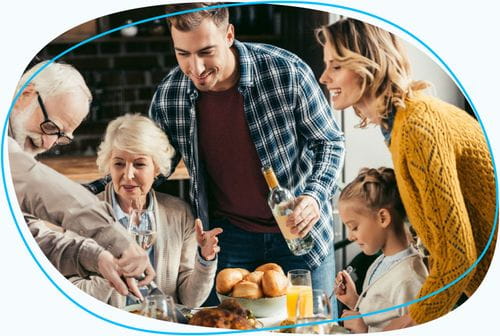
[(134, 261), (404, 321), (109, 269), (356, 325), (207, 240), (304, 216), (149, 275), (134, 288)]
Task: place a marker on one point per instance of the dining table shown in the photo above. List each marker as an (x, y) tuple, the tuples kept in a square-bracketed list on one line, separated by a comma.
[(265, 322)]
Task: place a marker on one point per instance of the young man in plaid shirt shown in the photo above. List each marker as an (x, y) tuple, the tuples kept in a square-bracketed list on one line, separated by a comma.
[(231, 108)]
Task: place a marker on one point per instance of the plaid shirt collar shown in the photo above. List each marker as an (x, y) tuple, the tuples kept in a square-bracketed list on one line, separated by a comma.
[(246, 65)]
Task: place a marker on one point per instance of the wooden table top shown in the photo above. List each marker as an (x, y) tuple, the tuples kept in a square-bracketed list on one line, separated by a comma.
[(83, 169)]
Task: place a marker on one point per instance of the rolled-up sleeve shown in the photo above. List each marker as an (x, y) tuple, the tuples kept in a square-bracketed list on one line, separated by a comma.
[(70, 253)]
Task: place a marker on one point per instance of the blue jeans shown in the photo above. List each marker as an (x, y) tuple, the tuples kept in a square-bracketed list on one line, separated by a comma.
[(239, 248)]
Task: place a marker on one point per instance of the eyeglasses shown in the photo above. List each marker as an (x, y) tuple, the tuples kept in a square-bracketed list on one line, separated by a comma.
[(48, 127)]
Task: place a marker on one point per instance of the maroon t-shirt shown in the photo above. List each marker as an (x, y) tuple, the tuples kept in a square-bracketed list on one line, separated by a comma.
[(236, 186)]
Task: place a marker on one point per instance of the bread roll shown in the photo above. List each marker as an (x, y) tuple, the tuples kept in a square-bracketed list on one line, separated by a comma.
[(270, 266), (274, 283), (242, 271), (226, 279), (247, 289), (255, 276)]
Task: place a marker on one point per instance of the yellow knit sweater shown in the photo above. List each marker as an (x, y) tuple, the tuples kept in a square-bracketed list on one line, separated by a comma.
[(446, 181)]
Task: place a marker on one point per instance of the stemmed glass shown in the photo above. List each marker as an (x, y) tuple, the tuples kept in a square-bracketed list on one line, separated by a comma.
[(160, 307), (142, 227), (321, 310)]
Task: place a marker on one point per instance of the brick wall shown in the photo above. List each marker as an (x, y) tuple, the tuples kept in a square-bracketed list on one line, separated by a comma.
[(123, 72)]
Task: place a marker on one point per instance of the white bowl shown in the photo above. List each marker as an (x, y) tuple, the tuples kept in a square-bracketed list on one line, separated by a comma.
[(263, 307)]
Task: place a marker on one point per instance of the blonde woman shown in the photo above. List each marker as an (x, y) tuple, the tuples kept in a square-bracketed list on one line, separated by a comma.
[(443, 167), (134, 152)]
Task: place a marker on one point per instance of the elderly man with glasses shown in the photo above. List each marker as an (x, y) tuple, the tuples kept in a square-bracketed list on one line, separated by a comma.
[(48, 110)]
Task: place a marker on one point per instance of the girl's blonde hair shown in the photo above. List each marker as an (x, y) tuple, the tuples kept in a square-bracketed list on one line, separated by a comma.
[(377, 56), (135, 134), (376, 189)]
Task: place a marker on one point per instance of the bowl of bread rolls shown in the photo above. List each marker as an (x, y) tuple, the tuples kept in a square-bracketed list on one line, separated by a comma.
[(262, 291)]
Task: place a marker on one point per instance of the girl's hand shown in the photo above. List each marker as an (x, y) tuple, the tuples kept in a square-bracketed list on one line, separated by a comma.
[(356, 325), (207, 240), (345, 289)]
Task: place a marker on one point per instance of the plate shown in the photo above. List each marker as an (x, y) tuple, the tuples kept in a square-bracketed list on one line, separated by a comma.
[(137, 308), (134, 308)]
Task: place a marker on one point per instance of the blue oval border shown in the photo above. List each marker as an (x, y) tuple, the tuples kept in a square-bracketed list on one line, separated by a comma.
[(318, 3)]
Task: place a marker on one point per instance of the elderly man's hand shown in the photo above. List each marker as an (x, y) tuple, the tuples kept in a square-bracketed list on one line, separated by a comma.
[(133, 261), (109, 270), (304, 215)]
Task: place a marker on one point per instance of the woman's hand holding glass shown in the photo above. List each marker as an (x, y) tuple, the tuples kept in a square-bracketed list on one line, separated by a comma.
[(207, 240), (345, 289)]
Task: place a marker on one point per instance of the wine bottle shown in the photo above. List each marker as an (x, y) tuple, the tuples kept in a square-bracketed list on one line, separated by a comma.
[(282, 202)]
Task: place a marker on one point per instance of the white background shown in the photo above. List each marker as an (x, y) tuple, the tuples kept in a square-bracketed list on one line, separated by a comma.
[(464, 34)]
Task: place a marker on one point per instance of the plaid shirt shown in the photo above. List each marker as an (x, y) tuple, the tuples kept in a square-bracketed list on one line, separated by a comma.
[(290, 123)]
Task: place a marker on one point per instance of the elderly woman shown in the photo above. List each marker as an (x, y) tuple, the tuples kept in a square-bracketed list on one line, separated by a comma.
[(441, 159), (134, 152)]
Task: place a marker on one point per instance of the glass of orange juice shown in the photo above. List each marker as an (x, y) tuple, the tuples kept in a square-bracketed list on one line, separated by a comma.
[(300, 286)]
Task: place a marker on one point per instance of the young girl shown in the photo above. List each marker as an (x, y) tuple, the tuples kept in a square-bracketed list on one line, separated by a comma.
[(371, 209)]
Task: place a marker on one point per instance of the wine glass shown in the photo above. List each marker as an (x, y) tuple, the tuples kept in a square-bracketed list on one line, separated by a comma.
[(142, 227), (160, 307), (300, 285), (318, 310)]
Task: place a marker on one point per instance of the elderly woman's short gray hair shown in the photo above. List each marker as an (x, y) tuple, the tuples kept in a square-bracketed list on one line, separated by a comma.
[(135, 134)]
